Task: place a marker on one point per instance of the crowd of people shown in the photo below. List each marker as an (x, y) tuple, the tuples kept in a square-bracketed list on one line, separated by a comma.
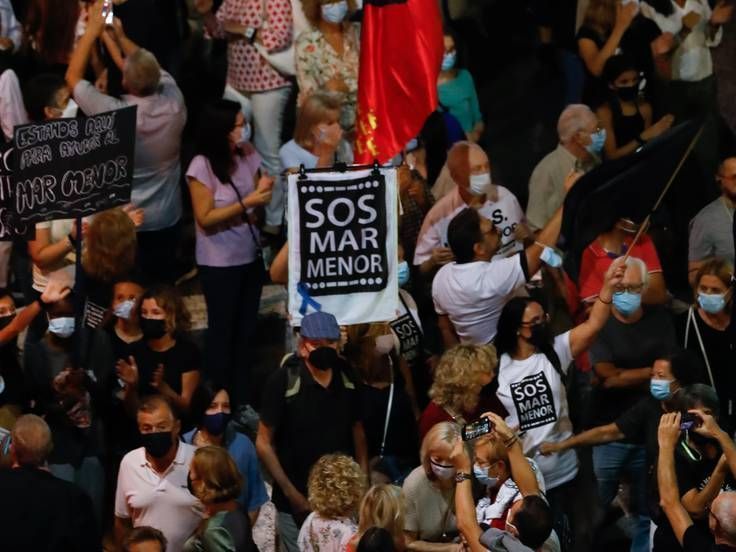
[(511, 404)]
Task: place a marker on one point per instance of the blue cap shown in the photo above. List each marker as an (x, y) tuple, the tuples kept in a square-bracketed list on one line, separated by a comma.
[(320, 325)]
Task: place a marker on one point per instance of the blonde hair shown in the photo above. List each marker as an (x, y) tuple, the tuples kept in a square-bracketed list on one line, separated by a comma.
[(218, 477), (336, 485), (109, 246), (601, 16), (718, 267), (456, 384), (316, 109), (383, 506), (168, 299), (441, 435), (313, 9)]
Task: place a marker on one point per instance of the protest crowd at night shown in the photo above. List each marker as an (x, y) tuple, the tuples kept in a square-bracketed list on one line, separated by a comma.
[(367, 275)]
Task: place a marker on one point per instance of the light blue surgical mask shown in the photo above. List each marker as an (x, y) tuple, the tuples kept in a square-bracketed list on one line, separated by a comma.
[(335, 12), (480, 183), (246, 133), (62, 327), (712, 303), (597, 139), (551, 257), (403, 273), (660, 389), (123, 310), (481, 475), (626, 302), (448, 60)]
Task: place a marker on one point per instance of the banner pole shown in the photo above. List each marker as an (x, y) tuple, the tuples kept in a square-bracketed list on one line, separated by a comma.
[(78, 299), (645, 224)]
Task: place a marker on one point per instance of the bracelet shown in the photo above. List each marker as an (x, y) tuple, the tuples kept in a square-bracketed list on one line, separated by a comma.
[(640, 140), (605, 302), (511, 441), (72, 241)]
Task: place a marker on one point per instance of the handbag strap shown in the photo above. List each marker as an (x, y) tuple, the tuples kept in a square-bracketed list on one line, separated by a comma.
[(691, 316), (256, 241), (388, 413)]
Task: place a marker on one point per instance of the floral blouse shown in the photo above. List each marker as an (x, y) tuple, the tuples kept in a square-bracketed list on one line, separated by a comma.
[(317, 62), (247, 70), (319, 534)]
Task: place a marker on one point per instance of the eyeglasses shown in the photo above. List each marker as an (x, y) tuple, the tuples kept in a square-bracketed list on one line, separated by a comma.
[(536, 320), (631, 288)]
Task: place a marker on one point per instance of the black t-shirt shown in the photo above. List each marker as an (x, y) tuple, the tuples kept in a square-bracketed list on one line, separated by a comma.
[(721, 350), (311, 422), (12, 376), (402, 436), (181, 358), (640, 423), (697, 540), (45, 514), (691, 474), (628, 346)]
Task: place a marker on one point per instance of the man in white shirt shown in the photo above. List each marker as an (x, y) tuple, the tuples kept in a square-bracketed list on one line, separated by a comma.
[(470, 292), (579, 149), (471, 171), (152, 482)]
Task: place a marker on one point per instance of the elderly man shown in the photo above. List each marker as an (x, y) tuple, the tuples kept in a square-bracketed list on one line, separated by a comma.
[(38, 511), (309, 408), (622, 357), (581, 143), (471, 171), (160, 120), (152, 481), (711, 231)]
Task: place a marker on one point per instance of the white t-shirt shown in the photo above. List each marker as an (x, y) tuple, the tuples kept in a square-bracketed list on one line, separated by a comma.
[(505, 213), (533, 394), (159, 501), (62, 270), (473, 295)]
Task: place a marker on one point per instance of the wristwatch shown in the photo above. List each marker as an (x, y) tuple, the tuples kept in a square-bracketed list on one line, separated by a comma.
[(460, 477)]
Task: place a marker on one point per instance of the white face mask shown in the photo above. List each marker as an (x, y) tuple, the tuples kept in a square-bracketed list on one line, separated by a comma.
[(246, 133), (70, 111), (442, 472), (480, 183)]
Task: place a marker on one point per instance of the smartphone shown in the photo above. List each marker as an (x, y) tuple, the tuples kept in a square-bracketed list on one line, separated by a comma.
[(690, 421), (477, 429), (107, 11)]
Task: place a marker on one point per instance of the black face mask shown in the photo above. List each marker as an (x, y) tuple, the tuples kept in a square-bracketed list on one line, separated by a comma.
[(323, 358), (701, 441), (540, 335), (215, 424), (153, 328), (627, 93), (5, 320), (157, 444)]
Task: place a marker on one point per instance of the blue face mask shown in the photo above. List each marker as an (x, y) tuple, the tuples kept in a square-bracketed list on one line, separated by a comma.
[(448, 60), (660, 389), (597, 139), (246, 133), (123, 310), (481, 474), (403, 273), (712, 303), (335, 12), (551, 257), (626, 302), (62, 327)]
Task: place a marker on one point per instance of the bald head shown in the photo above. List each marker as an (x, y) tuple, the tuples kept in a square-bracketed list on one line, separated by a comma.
[(464, 159), (31, 441), (727, 177), (724, 517)]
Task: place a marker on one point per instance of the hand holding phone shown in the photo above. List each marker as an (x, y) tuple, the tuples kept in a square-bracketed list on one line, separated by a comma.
[(690, 421), (477, 429), (107, 12)]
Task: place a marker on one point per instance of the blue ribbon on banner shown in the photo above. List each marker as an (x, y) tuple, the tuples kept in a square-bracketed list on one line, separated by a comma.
[(307, 300)]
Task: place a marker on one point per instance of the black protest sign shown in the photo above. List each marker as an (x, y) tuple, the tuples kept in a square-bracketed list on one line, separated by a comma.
[(11, 227), (67, 168), (342, 229), (409, 334), (534, 401)]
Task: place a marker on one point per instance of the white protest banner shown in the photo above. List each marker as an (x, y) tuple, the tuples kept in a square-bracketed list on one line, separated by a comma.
[(343, 229)]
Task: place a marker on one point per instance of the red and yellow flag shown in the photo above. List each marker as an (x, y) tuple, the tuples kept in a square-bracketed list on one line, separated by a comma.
[(400, 57)]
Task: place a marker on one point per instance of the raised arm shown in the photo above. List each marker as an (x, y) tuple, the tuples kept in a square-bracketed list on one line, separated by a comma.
[(669, 500), (80, 56)]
